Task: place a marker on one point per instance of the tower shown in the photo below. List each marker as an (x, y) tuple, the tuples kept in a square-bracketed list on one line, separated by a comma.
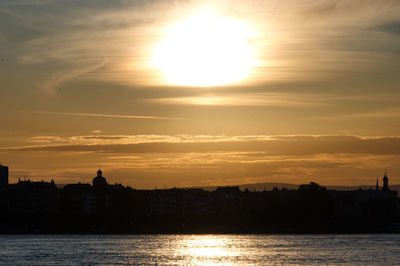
[(377, 185), (3, 175), (385, 186)]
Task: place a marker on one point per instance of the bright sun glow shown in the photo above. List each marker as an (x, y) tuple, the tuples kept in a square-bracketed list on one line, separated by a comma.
[(205, 50)]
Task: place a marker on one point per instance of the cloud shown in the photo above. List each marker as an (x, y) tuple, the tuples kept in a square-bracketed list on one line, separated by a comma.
[(339, 9), (255, 99), (391, 27), (272, 145), (144, 170), (43, 141), (326, 59), (56, 80), (69, 35), (110, 115), (383, 113), (186, 160)]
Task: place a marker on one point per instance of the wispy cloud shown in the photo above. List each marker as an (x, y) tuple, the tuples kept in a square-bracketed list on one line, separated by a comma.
[(58, 79), (391, 27), (384, 113), (307, 48), (103, 139), (168, 144), (255, 99), (109, 115)]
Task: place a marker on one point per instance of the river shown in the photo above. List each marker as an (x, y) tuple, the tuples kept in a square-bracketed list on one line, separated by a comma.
[(381, 249)]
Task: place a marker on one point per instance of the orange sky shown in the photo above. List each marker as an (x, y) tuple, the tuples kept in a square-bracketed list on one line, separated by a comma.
[(319, 99)]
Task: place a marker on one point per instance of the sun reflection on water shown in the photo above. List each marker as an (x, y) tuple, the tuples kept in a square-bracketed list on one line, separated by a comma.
[(207, 249)]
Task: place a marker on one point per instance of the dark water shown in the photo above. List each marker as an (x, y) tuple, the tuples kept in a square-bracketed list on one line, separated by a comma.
[(199, 249)]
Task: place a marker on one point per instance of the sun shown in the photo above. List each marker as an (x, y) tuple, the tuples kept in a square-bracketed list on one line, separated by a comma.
[(205, 50)]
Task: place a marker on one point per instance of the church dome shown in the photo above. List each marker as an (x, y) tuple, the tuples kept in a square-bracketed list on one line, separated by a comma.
[(99, 180)]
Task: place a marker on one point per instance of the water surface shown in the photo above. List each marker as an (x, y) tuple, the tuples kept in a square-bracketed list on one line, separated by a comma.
[(199, 249)]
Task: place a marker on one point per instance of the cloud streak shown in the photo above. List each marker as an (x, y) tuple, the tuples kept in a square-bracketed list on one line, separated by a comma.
[(256, 99), (110, 115), (55, 81), (272, 145)]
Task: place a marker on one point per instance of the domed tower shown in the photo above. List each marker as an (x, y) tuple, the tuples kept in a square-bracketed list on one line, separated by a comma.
[(99, 180), (385, 186)]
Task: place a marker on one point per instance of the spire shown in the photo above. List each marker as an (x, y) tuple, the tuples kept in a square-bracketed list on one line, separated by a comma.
[(385, 186), (377, 185)]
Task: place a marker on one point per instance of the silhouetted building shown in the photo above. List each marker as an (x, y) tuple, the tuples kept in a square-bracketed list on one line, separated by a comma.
[(385, 186), (163, 202), (227, 200), (99, 180), (41, 207), (34, 196), (365, 203), (377, 205), (3, 175), (79, 197), (312, 186)]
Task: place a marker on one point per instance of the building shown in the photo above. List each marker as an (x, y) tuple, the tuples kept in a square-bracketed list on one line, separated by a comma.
[(99, 181), (370, 204), (3, 175), (163, 202), (79, 197)]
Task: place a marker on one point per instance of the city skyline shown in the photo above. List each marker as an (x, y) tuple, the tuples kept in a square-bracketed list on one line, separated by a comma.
[(381, 184), (194, 93)]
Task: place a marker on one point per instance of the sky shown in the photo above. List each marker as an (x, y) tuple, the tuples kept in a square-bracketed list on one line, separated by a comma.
[(297, 91)]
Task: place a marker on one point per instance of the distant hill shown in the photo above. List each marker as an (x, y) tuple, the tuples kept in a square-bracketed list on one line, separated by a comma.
[(270, 186), (267, 186), (257, 186)]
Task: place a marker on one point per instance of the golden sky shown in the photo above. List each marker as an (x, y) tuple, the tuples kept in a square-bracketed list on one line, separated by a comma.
[(182, 93)]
